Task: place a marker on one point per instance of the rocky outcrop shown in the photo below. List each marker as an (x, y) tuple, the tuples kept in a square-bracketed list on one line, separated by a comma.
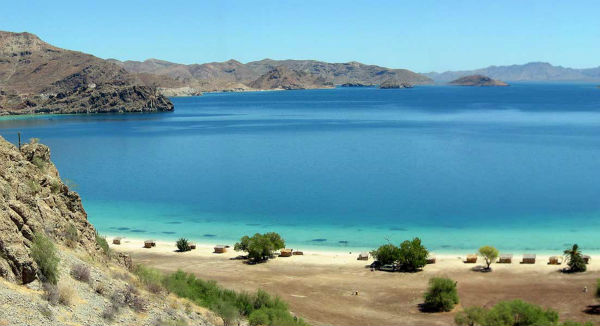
[(36, 77), (286, 79), (355, 84), (391, 83), (33, 198), (477, 80)]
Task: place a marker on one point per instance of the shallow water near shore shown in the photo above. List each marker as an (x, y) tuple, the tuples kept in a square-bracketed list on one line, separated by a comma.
[(344, 169)]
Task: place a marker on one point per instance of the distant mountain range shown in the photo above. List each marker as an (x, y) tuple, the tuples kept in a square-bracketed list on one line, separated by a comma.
[(529, 72), (233, 75)]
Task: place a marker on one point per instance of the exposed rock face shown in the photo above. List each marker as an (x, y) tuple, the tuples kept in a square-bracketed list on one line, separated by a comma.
[(477, 80), (219, 76), (36, 77), (391, 83), (355, 84), (34, 199), (284, 78)]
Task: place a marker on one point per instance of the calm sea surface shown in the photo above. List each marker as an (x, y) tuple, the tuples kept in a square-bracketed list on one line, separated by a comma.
[(516, 167)]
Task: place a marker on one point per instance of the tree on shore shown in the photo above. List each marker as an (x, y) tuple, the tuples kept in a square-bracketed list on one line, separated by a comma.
[(386, 254), (441, 295), (575, 260), (413, 255), (260, 246), (489, 254)]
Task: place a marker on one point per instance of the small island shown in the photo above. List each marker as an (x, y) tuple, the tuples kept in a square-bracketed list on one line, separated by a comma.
[(391, 83), (355, 84), (477, 80)]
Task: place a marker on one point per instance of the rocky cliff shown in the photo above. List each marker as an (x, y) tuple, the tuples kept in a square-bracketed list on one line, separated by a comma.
[(36, 77), (477, 80), (33, 198), (392, 83)]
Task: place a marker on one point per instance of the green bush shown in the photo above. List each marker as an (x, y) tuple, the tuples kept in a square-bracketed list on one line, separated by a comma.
[(39, 163), (508, 313), (575, 260), (151, 278), (413, 255), (209, 294), (260, 246), (103, 244), (55, 186), (259, 318), (386, 254), (44, 254), (441, 295), (183, 245)]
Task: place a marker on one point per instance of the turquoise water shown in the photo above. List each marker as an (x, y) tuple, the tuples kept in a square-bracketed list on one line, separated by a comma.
[(460, 167)]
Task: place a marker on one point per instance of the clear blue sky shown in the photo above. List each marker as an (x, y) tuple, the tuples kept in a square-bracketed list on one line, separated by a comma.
[(419, 35)]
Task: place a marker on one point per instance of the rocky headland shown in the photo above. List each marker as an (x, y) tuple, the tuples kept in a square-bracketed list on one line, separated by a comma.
[(287, 79), (36, 77), (392, 83), (477, 80)]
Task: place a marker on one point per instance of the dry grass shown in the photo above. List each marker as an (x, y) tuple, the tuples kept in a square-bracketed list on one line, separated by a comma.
[(66, 293), (81, 273)]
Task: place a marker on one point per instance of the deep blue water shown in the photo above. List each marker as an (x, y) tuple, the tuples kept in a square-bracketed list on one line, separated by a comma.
[(516, 167)]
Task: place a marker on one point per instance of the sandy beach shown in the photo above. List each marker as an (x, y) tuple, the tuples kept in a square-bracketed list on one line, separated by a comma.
[(319, 285)]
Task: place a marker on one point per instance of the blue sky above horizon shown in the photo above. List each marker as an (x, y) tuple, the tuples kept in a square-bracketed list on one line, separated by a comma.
[(421, 36)]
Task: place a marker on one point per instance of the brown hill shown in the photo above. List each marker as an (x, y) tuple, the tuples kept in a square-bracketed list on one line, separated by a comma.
[(284, 78), (36, 77), (477, 80), (233, 75)]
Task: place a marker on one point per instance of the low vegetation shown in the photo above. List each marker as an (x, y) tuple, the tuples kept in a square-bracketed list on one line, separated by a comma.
[(489, 254), (575, 260), (410, 256), (44, 254), (183, 245), (441, 295), (81, 273), (71, 236), (511, 313), (260, 247), (103, 244), (259, 308)]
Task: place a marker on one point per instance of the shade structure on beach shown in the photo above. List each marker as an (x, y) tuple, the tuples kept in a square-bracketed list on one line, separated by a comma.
[(528, 259), (297, 253), (555, 260), (286, 252), (471, 259), (363, 256), (117, 240), (192, 245), (505, 259), (219, 249), (431, 260), (149, 243), (587, 259)]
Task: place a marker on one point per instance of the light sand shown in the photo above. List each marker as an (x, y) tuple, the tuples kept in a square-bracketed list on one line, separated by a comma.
[(319, 284)]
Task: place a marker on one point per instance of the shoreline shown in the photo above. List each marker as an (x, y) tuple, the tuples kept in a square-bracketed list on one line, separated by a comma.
[(331, 257)]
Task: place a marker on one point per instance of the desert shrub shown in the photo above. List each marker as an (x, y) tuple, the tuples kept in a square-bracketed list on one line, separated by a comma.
[(100, 288), (151, 278), (71, 235), (71, 184), (33, 186), (175, 322), (575, 260), (110, 312), (508, 313), (490, 254), (50, 293), (45, 311), (441, 295), (209, 294), (34, 140), (227, 311), (44, 254), (55, 186), (66, 294), (39, 163), (259, 318), (102, 243), (183, 245), (260, 246), (81, 273), (386, 254), (137, 303), (412, 255)]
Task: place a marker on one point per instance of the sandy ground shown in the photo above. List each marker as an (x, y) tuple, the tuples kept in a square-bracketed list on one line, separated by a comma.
[(319, 286)]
